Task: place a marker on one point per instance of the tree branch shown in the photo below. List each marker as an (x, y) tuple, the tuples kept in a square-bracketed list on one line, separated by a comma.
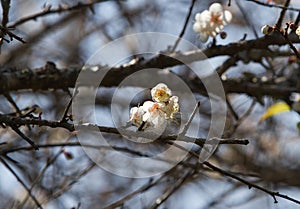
[(60, 9)]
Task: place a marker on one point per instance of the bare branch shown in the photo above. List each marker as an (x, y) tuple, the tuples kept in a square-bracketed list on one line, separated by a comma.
[(250, 185), (275, 5), (23, 184), (5, 11), (15, 121), (185, 25), (60, 9), (282, 14)]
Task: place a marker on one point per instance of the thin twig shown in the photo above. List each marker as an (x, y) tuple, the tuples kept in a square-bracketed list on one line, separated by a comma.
[(143, 188), (275, 5), (188, 123), (250, 185), (69, 185), (5, 11), (23, 184), (297, 19), (286, 37), (239, 120), (230, 62), (38, 178), (12, 102), (230, 107), (282, 13), (173, 188), (11, 34), (16, 129), (60, 9), (184, 26), (233, 176), (65, 115), (247, 19)]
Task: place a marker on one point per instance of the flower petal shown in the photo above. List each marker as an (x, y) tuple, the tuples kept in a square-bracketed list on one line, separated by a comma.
[(161, 93), (197, 27), (227, 17), (216, 8), (198, 17), (203, 37)]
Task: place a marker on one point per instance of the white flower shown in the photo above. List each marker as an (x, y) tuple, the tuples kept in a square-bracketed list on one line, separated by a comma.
[(171, 107), (161, 93), (136, 115), (298, 31), (154, 115), (211, 22)]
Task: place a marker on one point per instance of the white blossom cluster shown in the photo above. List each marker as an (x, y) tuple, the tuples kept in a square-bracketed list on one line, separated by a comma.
[(154, 114), (211, 22)]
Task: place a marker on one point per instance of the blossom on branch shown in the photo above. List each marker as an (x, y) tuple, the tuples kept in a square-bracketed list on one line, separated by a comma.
[(211, 22), (267, 29), (136, 115), (171, 107), (153, 115), (161, 93)]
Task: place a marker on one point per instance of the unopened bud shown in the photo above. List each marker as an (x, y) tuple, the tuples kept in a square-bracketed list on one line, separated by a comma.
[(298, 31), (223, 35), (68, 155), (266, 29), (293, 26)]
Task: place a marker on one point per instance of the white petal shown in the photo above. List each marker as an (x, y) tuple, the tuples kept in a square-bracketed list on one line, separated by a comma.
[(227, 16), (146, 116), (133, 110), (205, 16), (216, 8), (198, 17), (197, 27), (203, 37), (136, 114), (174, 99), (218, 29), (147, 105)]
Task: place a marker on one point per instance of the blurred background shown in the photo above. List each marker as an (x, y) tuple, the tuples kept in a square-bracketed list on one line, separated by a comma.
[(61, 175)]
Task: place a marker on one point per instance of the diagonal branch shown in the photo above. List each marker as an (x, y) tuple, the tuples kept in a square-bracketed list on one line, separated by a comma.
[(275, 5), (5, 11), (16, 129), (60, 9), (21, 181), (184, 26)]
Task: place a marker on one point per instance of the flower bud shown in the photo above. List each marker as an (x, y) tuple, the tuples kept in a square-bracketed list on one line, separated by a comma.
[(266, 29)]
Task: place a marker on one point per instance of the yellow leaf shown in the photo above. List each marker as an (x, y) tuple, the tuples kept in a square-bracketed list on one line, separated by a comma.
[(274, 110)]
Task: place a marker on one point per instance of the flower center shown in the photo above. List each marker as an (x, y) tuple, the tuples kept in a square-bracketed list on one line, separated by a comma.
[(160, 92), (215, 18), (154, 107)]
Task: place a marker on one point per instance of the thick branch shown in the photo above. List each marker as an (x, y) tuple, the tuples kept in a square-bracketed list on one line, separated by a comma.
[(50, 77)]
